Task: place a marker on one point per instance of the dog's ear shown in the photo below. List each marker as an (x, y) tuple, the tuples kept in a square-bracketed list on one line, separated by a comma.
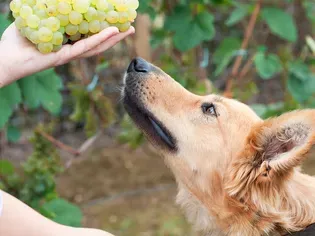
[(281, 144)]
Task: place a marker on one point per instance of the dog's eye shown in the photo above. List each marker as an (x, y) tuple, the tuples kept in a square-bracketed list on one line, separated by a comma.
[(209, 109)]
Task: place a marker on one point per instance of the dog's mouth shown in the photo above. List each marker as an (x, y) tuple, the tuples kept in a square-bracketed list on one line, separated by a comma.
[(147, 122)]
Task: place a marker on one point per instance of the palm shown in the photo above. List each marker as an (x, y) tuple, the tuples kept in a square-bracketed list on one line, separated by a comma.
[(19, 51)]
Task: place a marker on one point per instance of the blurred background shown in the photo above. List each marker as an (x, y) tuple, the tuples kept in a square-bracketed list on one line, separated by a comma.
[(67, 148)]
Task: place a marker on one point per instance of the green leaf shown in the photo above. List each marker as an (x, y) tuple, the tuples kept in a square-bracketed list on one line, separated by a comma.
[(301, 90), (4, 23), (180, 16), (301, 83), (267, 65), (64, 212), (42, 89), (6, 168), (237, 15), (102, 66), (259, 109), (225, 48), (10, 96), (13, 134), (191, 33), (280, 23), (300, 70), (145, 7), (224, 63), (309, 6)]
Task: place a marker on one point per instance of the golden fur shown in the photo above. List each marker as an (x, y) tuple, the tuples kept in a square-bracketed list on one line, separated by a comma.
[(237, 174)]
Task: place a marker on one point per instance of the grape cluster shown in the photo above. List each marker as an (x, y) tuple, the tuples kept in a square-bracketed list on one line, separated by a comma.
[(49, 24)]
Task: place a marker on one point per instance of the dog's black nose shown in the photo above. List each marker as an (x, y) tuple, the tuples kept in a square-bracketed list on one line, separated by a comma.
[(139, 65)]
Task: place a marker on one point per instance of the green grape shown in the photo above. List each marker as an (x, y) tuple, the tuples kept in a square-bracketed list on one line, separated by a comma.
[(51, 2), (121, 5), (49, 24), (133, 4), (53, 23), (45, 34), (52, 10), (75, 18), (41, 13), (28, 32), (75, 37), (56, 48), (104, 25), (33, 21), (45, 47), (112, 17), (25, 11), (64, 19), (40, 5), (15, 6), (124, 27), (101, 5), (20, 22), (68, 1), (91, 14), (132, 15), (81, 6), (15, 14), (94, 26), (110, 7), (123, 17), (30, 2), (65, 40), (84, 27), (64, 8), (72, 29), (22, 31), (34, 37), (42, 23), (57, 38), (62, 30), (101, 16)]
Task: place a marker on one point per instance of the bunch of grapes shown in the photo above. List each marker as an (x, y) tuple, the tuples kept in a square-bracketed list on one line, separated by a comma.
[(49, 24)]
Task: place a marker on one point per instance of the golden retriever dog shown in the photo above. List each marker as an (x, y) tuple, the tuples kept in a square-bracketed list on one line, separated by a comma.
[(237, 174)]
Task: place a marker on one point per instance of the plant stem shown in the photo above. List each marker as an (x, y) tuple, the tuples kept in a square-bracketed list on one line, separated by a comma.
[(247, 35)]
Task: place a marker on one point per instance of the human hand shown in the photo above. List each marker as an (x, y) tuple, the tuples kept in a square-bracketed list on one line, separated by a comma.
[(88, 232), (21, 58)]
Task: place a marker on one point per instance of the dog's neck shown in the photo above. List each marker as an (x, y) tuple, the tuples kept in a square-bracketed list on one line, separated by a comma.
[(292, 209)]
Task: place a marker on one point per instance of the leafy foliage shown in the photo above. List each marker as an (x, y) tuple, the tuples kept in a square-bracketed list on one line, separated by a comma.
[(280, 23), (42, 89), (36, 186), (64, 212), (267, 65)]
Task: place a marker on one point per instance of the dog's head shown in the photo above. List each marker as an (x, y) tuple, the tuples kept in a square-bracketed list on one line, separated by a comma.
[(202, 134)]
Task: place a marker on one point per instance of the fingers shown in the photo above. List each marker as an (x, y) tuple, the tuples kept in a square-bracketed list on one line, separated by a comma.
[(108, 44), (68, 52)]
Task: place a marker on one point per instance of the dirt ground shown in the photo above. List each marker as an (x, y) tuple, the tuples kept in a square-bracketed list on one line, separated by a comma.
[(124, 191)]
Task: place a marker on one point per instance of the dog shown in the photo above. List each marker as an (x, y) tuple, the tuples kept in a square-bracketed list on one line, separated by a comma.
[(237, 175)]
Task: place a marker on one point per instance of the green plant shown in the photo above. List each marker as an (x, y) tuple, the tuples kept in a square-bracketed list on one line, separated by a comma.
[(35, 183)]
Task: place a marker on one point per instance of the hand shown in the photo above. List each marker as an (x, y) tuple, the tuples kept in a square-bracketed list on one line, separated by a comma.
[(20, 57), (87, 232)]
